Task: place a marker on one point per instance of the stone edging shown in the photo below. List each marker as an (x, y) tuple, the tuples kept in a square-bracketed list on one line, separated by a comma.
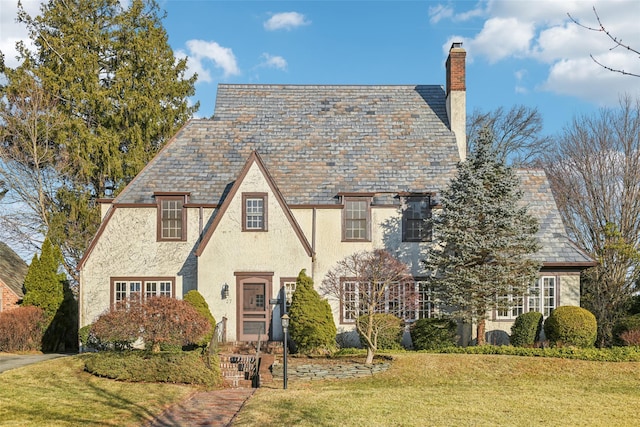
[(323, 372)]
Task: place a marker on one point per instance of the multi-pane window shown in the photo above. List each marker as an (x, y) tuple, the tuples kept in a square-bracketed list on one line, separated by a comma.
[(542, 298), (127, 289), (171, 218), (410, 300), (416, 211), (356, 216), (254, 212)]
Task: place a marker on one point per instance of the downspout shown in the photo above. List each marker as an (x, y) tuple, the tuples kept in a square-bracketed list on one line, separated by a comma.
[(313, 245)]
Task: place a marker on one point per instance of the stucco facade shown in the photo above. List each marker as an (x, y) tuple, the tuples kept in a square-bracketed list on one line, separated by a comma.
[(266, 188)]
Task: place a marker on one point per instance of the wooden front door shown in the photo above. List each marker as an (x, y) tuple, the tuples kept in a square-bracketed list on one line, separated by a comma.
[(253, 308)]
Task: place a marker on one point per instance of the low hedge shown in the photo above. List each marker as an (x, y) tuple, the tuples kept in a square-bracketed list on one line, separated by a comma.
[(141, 366), (613, 354)]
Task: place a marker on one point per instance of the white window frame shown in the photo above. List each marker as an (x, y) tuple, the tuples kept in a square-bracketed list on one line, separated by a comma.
[(542, 297), (126, 288)]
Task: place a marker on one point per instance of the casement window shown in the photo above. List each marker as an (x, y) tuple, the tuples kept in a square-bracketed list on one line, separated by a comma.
[(124, 288), (172, 217), (356, 219), (410, 301), (416, 211), (542, 297), (254, 212)]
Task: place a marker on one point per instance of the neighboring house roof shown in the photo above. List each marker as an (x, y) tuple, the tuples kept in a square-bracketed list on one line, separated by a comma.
[(316, 141), (557, 249), (13, 269)]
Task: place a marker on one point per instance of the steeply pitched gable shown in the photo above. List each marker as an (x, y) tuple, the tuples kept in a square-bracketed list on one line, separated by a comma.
[(254, 159)]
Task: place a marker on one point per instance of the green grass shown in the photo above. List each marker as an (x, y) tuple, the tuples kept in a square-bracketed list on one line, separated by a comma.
[(460, 389), (60, 393)]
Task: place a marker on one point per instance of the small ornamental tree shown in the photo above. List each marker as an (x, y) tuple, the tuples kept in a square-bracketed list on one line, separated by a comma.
[(157, 320), (487, 239), (365, 282), (197, 301), (311, 327), (387, 330)]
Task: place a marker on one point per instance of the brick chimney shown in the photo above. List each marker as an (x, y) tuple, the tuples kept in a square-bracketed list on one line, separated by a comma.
[(456, 96)]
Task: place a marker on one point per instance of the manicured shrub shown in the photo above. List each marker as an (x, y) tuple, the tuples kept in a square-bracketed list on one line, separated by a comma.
[(197, 301), (311, 324), (159, 321), (432, 334), (22, 328), (571, 326), (387, 330), (139, 366), (613, 354), (629, 323), (526, 329)]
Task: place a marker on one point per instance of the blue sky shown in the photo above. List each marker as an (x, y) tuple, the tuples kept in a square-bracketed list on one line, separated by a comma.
[(518, 52)]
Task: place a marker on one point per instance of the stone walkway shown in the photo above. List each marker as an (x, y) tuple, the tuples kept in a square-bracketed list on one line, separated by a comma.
[(215, 408)]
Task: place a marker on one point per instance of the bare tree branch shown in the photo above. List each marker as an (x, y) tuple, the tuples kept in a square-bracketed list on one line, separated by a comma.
[(617, 43)]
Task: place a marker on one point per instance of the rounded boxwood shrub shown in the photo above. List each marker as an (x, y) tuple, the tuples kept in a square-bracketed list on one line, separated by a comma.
[(526, 329), (572, 326), (387, 330), (433, 334)]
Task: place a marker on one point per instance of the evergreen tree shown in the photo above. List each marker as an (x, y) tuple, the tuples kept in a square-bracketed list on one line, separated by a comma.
[(121, 94), (44, 285), (312, 327), (486, 238), (197, 301)]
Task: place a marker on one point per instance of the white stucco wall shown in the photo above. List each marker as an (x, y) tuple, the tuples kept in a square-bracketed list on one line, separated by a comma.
[(230, 250), (128, 248)]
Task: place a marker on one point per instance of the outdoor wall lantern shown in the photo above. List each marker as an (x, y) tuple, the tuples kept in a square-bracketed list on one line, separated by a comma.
[(225, 291), (285, 329)]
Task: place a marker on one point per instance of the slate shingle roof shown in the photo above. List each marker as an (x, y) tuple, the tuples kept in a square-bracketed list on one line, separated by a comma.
[(316, 141), (556, 246), (13, 269)]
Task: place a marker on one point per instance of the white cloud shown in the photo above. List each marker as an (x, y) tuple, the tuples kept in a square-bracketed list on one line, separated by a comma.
[(201, 53), (286, 21), (273, 61), (542, 31)]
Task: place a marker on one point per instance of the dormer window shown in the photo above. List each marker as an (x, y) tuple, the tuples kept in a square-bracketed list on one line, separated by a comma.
[(172, 217), (416, 211), (254, 212)]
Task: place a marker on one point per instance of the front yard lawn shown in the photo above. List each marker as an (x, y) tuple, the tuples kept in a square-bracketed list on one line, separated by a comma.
[(423, 389), (60, 393)]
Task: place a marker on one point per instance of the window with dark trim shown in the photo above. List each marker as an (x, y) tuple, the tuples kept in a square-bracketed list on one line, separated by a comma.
[(415, 213), (172, 218), (356, 219), (139, 288), (411, 300), (254, 212)]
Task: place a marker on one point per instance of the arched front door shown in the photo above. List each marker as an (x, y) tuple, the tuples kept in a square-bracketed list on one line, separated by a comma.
[(254, 314)]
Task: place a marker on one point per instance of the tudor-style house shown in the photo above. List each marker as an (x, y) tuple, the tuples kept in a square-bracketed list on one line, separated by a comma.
[(292, 177)]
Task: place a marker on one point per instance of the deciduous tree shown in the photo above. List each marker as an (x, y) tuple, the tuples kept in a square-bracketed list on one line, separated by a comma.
[(594, 172), (364, 283), (517, 133), (487, 238)]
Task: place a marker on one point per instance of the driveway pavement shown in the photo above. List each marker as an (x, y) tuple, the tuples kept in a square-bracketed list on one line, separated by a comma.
[(12, 361)]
